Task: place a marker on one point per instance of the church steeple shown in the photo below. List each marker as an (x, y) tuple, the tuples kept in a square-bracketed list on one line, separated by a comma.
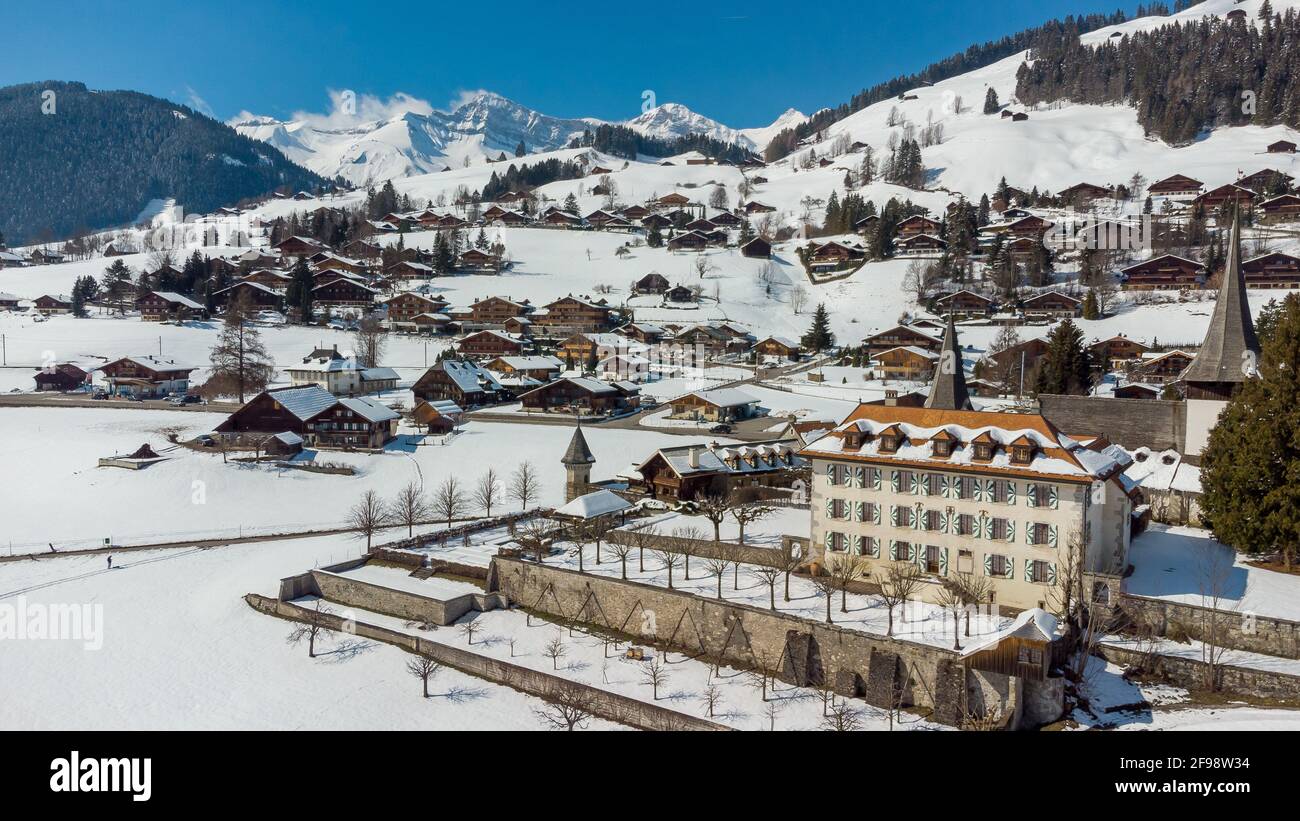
[(577, 463), (1231, 349), (948, 390)]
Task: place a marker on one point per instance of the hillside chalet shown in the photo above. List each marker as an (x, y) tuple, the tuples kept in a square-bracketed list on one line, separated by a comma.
[(1051, 305), (464, 383), (1164, 273), (898, 336), (156, 306), (488, 343), (688, 472), (581, 395), (1285, 208), (319, 417), (1273, 270), (719, 405), (147, 377), (1178, 186)]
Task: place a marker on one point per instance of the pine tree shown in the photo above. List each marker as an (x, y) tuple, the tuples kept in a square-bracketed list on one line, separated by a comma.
[(116, 284), (240, 361), (1067, 364), (1090, 309), (991, 104), (299, 293), (1250, 469), (819, 336)]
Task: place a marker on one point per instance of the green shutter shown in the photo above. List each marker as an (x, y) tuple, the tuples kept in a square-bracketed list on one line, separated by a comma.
[(873, 547), (916, 516), (1031, 495), (875, 478), (988, 564), (1051, 535), (1053, 497), (1029, 533), (1051, 573), (897, 479), (830, 540), (893, 515), (1011, 569), (943, 561), (860, 511), (859, 476), (875, 513), (857, 545), (1029, 570), (830, 473), (916, 483), (982, 489), (1011, 493), (1011, 530), (830, 508), (946, 486)]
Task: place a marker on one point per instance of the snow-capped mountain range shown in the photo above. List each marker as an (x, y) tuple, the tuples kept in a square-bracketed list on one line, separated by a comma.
[(368, 140)]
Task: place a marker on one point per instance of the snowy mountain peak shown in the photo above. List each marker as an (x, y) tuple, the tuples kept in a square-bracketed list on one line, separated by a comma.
[(672, 120)]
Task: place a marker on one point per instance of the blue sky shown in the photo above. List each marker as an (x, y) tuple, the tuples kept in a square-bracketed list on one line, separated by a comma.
[(740, 63)]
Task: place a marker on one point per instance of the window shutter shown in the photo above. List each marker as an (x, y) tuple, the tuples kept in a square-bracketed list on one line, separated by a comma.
[(1031, 495), (830, 508), (893, 550), (943, 561), (857, 545), (916, 484), (1029, 533), (913, 553), (897, 479), (875, 478), (1011, 530), (893, 515), (830, 474), (1029, 570), (1051, 535), (1011, 569), (1053, 497), (917, 514), (983, 489), (873, 547), (1051, 573), (945, 487), (860, 511), (859, 476), (875, 513), (1011, 493), (830, 540), (988, 564)]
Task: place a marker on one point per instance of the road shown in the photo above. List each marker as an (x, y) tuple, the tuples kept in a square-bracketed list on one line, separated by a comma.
[(54, 399)]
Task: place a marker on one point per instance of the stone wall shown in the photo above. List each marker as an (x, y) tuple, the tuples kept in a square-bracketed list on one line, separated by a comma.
[(1154, 423), (1237, 631), (704, 548), (610, 706), (328, 583), (1194, 674), (882, 670)]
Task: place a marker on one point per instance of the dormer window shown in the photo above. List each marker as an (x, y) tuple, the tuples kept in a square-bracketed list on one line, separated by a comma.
[(1021, 454), (853, 440), (888, 443), (943, 448), (983, 451)]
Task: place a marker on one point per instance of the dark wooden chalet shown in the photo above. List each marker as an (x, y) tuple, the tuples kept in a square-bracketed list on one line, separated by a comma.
[(966, 303), (1114, 353), (1164, 273), (652, 283), (1084, 193), (1266, 181), (465, 383), (51, 304), (580, 395), (1051, 304), (758, 247), (1282, 147), (1273, 270), (1179, 185), (1285, 208), (344, 292), (156, 306), (900, 336), (61, 377), (917, 224), (487, 344), (1162, 369)]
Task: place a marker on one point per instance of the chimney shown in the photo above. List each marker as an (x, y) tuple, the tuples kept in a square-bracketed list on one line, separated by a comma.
[(891, 397), (693, 457)]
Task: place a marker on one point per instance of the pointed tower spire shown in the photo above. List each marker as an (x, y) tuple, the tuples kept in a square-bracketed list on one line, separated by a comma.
[(578, 453), (577, 463), (948, 390), (1231, 348)]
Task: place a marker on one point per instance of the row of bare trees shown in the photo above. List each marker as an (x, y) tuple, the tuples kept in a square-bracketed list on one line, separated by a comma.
[(449, 501)]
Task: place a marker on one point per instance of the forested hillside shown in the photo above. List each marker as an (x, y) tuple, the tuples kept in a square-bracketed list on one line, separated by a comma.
[(1183, 77), (83, 159)]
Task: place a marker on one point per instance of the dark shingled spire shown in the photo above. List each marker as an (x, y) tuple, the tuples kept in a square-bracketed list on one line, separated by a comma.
[(948, 391), (578, 452), (1223, 355)]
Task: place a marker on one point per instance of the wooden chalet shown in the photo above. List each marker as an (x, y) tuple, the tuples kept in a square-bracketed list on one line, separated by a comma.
[(673, 200), (920, 246), (1116, 352), (778, 346), (725, 219), (756, 207), (465, 383), (758, 247), (679, 294), (635, 212), (570, 314), (299, 247), (690, 241), (581, 395), (1282, 147), (917, 225), (249, 293), (1179, 186), (652, 283), (408, 270), (1285, 208), (966, 304), (474, 259), (829, 254), (147, 377), (488, 343), (275, 280), (316, 415), (1084, 193), (900, 336), (913, 364), (344, 293), (561, 219), (156, 306), (52, 304), (642, 332), (1137, 390), (1266, 181), (1164, 273), (541, 368), (1230, 194), (65, 376), (1051, 304), (688, 472), (1273, 270), (495, 310), (1161, 369), (403, 308), (717, 405)]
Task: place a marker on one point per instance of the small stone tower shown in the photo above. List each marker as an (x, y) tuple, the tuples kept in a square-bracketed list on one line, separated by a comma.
[(577, 463)]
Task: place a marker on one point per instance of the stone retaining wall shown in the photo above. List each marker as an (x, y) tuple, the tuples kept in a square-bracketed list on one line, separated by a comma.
[(1194, 674), (610, 706), (1235, 630)]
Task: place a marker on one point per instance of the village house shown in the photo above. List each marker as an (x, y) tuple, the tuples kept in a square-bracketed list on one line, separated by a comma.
[(146, 377), (779, 347), (689, 472), (1167, 272), (439, 417), (690, 241), (493, 312), (464, 383), (405, 307), (8, 301), (52, 304), (489, 343), (1282, 147), (757, 248), (920, 246), (1177, 187), (908, 363), (45, 256), (299, 247), (1051, 305), (249, 293), (673, 200), (1083, 194), (680, 295), (1273, 270), (756, 207), (899, 336), (156, 306), (344, 293), (317, 416), (1160, 368), (65, 376), (277, 281), (581, 395), (652, 283), (1266, 181), (407, 270), (340, 375), (642, 332), (1116, 352), (916, 225), (834, 254), (540, 368), (966, 304), (635, 212), (570, 314), (474, 259), (1233, 194), (718, 405), (588, 348), (1285, 208)]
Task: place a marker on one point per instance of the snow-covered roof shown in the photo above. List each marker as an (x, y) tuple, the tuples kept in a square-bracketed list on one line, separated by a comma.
[(597, 503), (379, 374), (715, 458), (721, 397), (369, 409), (305, 402)]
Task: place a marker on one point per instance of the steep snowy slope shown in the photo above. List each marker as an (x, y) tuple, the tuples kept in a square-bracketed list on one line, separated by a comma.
[(672, 120)]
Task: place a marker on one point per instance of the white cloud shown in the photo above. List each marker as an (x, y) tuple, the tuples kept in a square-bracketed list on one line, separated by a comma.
[(347, 108), (197, 103)]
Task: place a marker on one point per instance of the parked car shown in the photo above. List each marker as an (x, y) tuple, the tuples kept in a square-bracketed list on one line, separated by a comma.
[(721, 427)]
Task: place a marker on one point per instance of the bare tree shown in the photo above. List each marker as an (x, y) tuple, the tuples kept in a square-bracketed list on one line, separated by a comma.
[(712, 698), (1214, 566), (798, 298), (845, 569), (789, 561), (555, 650), (621, 545), (770, 712), (655, 674), (524, 485), (487, 491), (747, 513), (578, 537), (423, 668), (566, 707), (535, 536), (643, 537), (368, 516), (468, 629), (714, 507), (768, 576), (826, 585), (974, 590), (369, 341), (411, 507), (952, 601), (669, 559), (897, 586), (716, 567), (843, 717), (315, 625)]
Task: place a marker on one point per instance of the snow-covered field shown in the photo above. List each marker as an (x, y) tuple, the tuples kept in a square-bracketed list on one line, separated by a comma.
[(54, 492)]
